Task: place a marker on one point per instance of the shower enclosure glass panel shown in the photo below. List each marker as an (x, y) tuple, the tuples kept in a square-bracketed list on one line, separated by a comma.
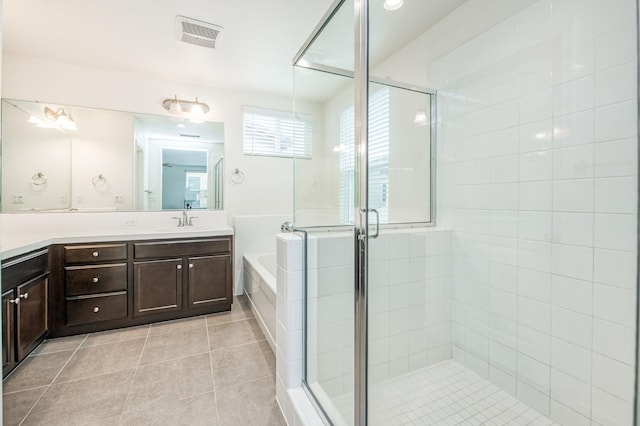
[(519, 305)]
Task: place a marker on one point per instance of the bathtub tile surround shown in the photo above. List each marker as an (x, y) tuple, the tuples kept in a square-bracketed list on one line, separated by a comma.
[(198, 385), (255, 234), (537, 149), (259, 276)]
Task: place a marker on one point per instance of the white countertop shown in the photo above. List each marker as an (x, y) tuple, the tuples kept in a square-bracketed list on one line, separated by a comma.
[(24, 233)]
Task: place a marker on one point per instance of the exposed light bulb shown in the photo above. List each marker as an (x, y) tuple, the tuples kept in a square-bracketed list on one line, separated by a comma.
[(421, 117), (393, 4)]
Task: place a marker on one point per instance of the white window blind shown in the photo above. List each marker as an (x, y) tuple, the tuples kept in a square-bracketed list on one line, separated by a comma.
[(379, 134), (276, 133)]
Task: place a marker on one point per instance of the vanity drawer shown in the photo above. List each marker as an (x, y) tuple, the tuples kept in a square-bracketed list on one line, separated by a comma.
[(95, 279), (95, 253), (181, 248), (89, 309)]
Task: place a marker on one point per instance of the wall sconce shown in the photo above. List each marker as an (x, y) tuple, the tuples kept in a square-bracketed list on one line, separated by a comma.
[(61, 118), (194, 109)]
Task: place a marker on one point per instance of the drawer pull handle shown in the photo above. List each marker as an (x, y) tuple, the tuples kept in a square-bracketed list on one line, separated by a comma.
[(24, 296), (96, 309), (179, 266), (95, 254), (15, 301), (95, 279), (191, 265)]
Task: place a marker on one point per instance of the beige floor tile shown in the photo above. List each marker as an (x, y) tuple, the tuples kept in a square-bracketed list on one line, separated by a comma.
[(242, 364), (95, 400), (233, 334), (16, 405), (102, 359), (118, 335), (250, 404), (199, 410), (165, 382), (60, 344), (169, 327), (36, 371), (179, 344), (240, 310)]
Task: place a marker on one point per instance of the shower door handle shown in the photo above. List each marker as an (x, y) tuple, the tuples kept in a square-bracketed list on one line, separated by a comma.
[(377, 223), (365, 213)]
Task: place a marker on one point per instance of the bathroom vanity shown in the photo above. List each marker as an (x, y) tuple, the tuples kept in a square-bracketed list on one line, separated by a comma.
[(77, 284)]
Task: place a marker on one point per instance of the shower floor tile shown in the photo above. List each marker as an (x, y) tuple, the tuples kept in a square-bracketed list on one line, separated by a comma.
[(446, 393)]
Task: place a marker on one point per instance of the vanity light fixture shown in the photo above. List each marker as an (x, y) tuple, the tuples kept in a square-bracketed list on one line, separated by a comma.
[(393, 4), (61, 118), (195, 110)]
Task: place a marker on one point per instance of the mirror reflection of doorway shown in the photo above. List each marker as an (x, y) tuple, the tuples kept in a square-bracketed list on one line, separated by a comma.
[(184, 179)]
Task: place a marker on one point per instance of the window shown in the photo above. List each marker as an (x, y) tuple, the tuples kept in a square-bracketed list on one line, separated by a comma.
[(276, 133), (379, 132)]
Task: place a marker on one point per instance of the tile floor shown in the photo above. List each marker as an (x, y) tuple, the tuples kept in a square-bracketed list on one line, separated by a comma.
[(207, 370), (445, 393)]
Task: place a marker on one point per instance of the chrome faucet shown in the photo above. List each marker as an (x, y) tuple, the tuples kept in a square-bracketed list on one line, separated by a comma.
[(185, 218)]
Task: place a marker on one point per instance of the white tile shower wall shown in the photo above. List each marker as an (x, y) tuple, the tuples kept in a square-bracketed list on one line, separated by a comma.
[(409, 302), (537, 149)]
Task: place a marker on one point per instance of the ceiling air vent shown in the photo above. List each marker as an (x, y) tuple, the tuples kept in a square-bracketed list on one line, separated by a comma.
[(197, 32)]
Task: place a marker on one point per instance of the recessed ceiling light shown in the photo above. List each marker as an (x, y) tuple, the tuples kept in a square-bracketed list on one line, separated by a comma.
[(393, 4), (181, 125)]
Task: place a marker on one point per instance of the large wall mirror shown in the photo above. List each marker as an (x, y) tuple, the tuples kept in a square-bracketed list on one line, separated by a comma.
[(67, 158)]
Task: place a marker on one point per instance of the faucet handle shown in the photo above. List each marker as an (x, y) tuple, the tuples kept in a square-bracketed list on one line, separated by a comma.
[(191, 220), (179, 220)]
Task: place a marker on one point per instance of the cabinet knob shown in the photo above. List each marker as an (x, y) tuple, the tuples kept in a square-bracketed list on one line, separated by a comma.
[(95, 254), (96, 309), (95, 279), (24, 296), (191, 265), (15, 301), (179, 266)]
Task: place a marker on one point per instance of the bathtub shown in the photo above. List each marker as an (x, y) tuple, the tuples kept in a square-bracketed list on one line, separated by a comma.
[(260, 287)]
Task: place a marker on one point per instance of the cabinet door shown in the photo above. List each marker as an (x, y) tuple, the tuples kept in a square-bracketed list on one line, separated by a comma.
[(8, 331), (32, 322), (157, 286), (209, 280)]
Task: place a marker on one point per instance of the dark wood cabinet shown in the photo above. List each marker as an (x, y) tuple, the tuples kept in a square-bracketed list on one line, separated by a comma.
[(100, 286), (157, 286), (209, 280), (8, 332), (32, 318), (96, 283), (25, 306)]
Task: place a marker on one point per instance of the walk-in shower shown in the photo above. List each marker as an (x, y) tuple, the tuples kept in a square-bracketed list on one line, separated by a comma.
[(470, 208)]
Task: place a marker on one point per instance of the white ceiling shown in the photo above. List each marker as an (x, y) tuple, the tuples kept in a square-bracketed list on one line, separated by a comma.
[(259, 40)]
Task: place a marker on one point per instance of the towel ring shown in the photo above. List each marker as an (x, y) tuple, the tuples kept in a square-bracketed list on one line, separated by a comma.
[(98, 181), (237, 176), (39, 179)]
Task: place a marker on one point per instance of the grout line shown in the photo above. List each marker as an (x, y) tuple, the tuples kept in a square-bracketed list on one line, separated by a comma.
[(213, 379), (53, 380), (126, 401)]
